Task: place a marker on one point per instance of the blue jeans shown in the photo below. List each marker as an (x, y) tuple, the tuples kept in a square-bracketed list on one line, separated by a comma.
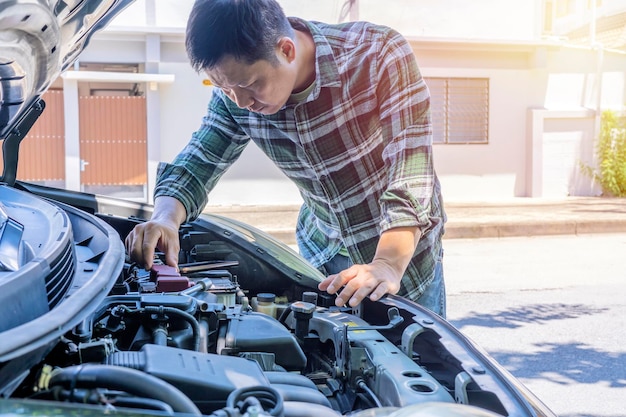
[(433, 298)]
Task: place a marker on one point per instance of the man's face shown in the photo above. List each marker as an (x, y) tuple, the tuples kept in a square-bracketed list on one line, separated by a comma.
[(261, 87)]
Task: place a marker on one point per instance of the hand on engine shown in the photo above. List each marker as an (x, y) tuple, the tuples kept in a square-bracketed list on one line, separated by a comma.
[(160, 232), (359, 281)]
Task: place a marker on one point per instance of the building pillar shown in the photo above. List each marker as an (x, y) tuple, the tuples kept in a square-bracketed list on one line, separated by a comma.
[(72, 135), (153, 113), (534, 157)]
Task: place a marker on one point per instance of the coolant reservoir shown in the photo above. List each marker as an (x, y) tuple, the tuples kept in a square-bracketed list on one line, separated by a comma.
[(265, 303)]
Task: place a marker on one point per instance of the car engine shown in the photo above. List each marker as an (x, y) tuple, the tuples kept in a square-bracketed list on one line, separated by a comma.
[(237, 329)]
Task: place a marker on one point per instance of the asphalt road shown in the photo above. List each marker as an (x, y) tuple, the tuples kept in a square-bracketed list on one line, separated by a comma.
[(552, 310)]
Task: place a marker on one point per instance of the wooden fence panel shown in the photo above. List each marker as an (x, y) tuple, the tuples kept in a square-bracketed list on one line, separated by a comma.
[(113, 140), (42, 151)]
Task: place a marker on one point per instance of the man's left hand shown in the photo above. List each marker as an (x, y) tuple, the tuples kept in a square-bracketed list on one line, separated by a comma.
[(374, 279), (382, 276)]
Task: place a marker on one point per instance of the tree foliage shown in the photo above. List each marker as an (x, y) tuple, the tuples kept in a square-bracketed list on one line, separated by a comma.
[(610, 151)]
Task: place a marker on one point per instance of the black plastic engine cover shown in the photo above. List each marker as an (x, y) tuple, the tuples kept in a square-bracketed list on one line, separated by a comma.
[(257, 332), (207, 379)]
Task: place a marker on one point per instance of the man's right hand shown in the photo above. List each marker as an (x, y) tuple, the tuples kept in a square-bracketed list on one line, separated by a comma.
[(160, 232)]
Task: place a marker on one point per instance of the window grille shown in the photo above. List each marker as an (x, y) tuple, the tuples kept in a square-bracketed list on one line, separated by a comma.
[(460, 109)]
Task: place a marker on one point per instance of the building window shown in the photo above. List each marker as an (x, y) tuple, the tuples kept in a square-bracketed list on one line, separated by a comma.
[(460, 109)]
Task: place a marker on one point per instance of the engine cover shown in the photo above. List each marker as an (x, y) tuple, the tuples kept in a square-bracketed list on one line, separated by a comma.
[(207, 379)]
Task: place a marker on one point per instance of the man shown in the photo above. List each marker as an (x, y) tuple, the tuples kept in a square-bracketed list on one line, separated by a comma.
[(343, 111)]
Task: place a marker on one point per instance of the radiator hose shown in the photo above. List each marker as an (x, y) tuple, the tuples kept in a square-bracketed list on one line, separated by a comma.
[(124, 379)]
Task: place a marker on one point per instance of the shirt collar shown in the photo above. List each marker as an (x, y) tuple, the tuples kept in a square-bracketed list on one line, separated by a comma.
[(326, 70)]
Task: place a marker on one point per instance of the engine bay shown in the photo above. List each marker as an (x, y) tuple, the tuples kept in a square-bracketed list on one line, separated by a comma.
[(237, 329)]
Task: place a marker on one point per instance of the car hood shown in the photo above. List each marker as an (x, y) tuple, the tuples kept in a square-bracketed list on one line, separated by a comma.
[(38, 40)]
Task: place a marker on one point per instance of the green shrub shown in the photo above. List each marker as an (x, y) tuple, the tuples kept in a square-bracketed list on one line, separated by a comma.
[(610, 151)]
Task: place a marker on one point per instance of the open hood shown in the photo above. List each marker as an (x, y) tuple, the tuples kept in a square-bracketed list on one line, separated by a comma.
[(38, 40)]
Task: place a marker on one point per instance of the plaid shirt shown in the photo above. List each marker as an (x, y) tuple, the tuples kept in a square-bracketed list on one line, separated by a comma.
[(359, 148)]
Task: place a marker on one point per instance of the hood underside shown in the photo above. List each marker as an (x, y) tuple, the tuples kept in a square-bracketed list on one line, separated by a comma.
[(38, 40)]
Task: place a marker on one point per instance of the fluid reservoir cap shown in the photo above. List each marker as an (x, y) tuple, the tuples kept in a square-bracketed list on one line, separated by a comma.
[(265, 297), (302, 307), (309, 297)]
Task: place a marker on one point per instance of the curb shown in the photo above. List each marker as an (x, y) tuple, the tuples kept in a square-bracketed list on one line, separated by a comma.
[(531, 228), (473, 220)]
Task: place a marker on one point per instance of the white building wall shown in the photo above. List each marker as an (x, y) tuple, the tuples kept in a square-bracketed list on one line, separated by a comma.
[(523, 74), (183, 104), (115, 49), (486, 19), (172, 13), (494, 170), (553, 78)]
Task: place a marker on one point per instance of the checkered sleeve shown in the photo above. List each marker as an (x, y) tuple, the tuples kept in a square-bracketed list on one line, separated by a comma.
[(406, 123)]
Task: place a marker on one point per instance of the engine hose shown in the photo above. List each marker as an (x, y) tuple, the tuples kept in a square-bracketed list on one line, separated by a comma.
[(188, 318), (95, 396), (362, 385), (301, 394), (128, 380), (143, 404), (302, 409), (159, 335), (269, 398)]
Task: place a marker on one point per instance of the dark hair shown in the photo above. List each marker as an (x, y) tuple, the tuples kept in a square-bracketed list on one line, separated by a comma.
[(247, 30)]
